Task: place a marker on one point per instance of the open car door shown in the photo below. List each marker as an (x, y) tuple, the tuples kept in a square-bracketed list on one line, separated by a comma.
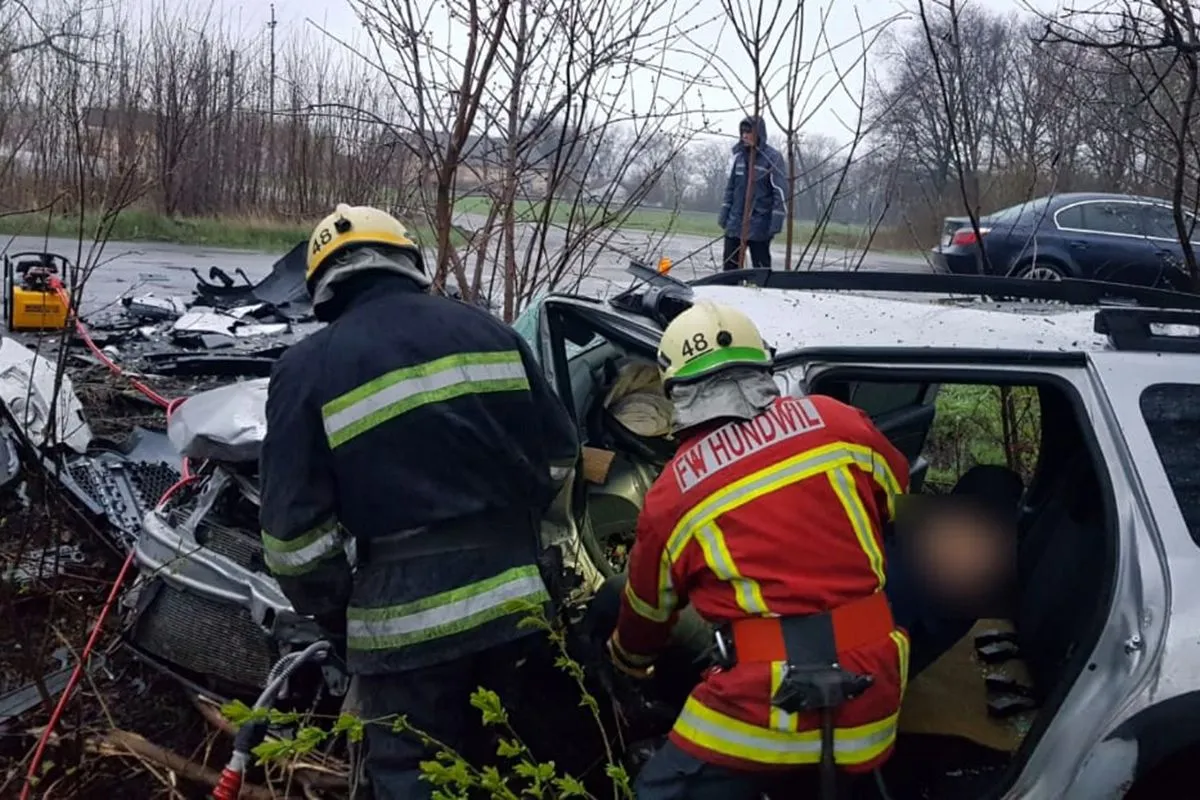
[(903, 412)]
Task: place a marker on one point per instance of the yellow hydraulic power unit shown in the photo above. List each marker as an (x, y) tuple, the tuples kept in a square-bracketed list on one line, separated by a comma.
[(30, 301)]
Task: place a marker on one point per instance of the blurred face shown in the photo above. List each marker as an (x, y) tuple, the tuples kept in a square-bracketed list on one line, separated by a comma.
[(963, 557), (747, 135)]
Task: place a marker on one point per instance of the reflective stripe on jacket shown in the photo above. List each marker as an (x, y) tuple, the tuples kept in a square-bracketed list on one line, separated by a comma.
[(777, 516), (419, 434)]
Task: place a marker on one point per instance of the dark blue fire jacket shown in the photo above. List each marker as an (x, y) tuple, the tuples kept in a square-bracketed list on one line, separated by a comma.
[(412, 448)]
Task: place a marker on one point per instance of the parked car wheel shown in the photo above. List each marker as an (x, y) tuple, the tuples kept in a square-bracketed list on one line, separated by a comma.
[(1042, 272)]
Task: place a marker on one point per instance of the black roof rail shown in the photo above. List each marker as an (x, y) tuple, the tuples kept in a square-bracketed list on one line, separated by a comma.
[(1139, 329), (1071, 291)]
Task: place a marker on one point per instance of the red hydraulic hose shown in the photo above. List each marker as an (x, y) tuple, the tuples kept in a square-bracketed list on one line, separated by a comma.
[(169, 406)]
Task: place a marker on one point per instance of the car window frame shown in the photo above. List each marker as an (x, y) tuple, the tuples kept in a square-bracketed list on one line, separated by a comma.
[(1139, 204), (1171, 211)]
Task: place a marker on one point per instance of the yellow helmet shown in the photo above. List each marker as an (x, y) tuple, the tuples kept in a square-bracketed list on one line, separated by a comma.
[(708, 338), (355, 225)]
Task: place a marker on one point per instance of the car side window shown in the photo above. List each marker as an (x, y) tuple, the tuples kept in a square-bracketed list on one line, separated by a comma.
[(1160, 222), (1122, 218), (881, 398), (1172, 415), (1070, 217)]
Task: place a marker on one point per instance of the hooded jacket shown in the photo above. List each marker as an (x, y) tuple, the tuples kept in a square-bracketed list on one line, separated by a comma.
[(768, 207)]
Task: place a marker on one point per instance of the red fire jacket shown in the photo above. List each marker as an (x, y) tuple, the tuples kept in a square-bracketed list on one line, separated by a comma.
[(776, 516)]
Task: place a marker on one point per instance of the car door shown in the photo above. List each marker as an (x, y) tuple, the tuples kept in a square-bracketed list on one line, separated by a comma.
[(1159, 224), (1107, 241)]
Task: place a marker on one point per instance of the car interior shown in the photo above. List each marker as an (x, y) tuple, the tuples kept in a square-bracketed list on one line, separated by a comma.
[(971, 718)]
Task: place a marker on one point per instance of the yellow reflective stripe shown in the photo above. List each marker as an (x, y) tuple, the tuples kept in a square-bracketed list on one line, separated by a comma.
[(877, 467), (402, 390), (780, 719), (720, 561), (514, 591), (806, 465), (901, 640), (737, 739), (304, 553), (842, 481), (664, 605)]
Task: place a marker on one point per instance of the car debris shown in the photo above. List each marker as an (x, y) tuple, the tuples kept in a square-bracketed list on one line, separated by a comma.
[(42, 564), (26, 698), (27, 389)]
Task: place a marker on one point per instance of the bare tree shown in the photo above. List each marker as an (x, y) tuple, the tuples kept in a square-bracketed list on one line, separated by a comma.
[(522, 114), (1155, 44), (791, 62)]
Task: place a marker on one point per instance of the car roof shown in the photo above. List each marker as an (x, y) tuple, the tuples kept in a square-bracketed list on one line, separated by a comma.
[(1067, 198), (793, 319)]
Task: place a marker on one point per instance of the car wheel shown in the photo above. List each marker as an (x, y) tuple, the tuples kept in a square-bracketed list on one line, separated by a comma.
[(1042, 272)]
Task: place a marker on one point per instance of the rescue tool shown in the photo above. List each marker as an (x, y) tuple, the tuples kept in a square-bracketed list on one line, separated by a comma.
[(252, 733), (31, 300)]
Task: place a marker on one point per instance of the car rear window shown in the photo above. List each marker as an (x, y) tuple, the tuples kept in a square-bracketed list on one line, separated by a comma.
[(1025, 212), (1172, 413)]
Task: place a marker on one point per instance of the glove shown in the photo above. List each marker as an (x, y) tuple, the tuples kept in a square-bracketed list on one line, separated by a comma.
[(625, 665)]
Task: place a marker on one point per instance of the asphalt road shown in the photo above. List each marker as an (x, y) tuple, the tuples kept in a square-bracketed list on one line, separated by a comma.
[(124, 268)]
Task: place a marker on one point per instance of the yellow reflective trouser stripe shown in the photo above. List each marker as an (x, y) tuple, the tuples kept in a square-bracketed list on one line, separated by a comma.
[(842, 481), (517, 590), (732, 737), (720, 561), (664, 604)]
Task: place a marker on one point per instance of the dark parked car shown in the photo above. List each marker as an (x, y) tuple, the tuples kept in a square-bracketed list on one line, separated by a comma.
[(1106, 237)]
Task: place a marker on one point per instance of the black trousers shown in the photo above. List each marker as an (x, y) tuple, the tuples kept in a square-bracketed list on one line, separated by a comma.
[(758, 254), (672, 774), (435, 700)]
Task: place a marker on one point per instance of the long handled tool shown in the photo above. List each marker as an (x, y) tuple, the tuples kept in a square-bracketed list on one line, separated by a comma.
[(252, 733)]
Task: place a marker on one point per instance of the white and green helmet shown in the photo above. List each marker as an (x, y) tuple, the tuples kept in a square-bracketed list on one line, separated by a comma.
[(709, 338)]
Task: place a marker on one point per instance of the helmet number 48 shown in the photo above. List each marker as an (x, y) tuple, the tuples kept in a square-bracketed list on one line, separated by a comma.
[(694, 346), (321, 239)]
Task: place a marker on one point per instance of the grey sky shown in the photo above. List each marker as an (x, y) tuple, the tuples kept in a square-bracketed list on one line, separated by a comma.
[(830, 116)]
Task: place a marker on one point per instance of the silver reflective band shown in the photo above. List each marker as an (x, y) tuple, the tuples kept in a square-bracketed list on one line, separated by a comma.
[(302, 554), (402, 390), (371, 629), (559, 473)]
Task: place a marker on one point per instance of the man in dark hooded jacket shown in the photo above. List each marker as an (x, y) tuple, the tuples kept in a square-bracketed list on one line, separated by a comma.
[(758, 169)]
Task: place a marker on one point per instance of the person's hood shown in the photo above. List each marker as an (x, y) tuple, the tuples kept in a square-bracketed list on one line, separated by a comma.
[(760, 127), (736, 393), (359, 262), (345, 280)]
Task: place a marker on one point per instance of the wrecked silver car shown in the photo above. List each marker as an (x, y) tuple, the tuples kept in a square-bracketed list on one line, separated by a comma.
[(1080, 690)]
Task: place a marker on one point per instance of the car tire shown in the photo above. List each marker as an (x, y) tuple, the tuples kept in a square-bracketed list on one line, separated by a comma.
[(1041, 272)]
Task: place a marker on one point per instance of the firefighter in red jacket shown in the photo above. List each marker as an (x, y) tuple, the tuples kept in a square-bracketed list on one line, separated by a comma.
[(768, 522)]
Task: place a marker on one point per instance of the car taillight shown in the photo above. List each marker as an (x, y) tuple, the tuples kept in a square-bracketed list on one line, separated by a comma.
[(967, 236)]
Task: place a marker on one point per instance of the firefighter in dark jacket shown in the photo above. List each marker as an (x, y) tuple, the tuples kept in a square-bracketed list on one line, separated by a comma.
[(412, 447), (757, 169)]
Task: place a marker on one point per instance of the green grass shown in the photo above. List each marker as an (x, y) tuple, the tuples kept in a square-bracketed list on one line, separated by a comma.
[(689, 223), (968, 429), (133, 225)]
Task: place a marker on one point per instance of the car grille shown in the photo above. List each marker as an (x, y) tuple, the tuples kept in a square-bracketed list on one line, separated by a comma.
[(204, 636)]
